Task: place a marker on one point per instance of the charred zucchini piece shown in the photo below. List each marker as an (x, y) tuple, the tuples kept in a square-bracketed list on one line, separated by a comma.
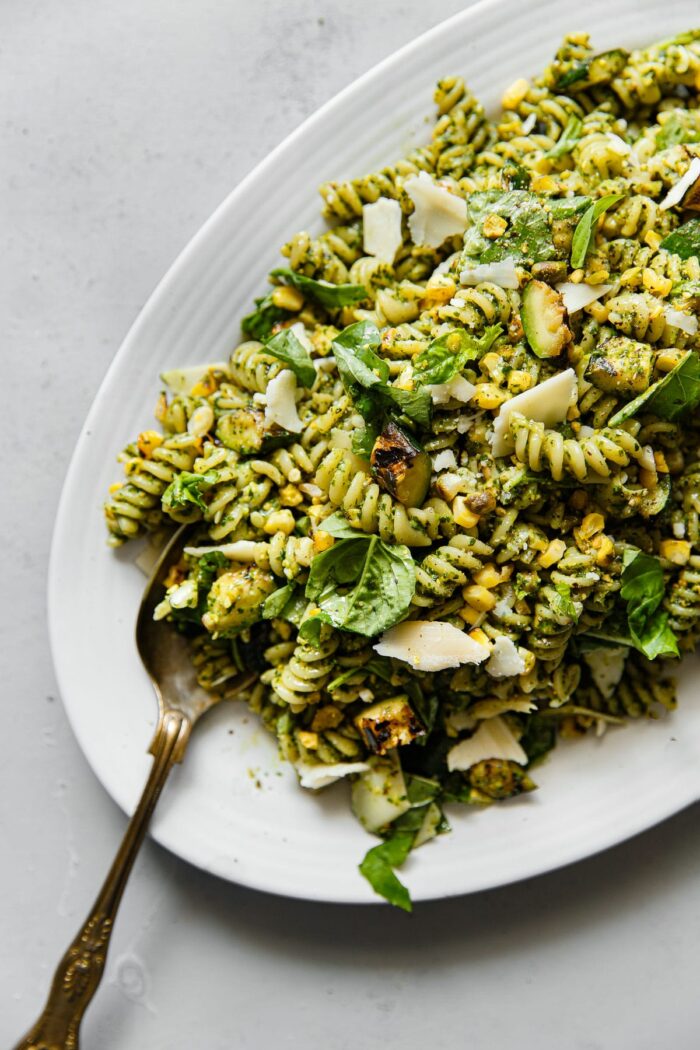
[(235, 600), (497, 778), (552, 272), (401, 467), (600, 69), (542, 314), (621, 366), (243, 430), (389, 724)]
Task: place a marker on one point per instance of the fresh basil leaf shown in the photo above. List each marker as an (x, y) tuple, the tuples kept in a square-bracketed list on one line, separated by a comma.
[(566, 604), (449, 354), (363, 440), (362, 584), (643, 590), (416, 404), (515, 176), (669, 398), (585, 226), (567, 140), (275, 603), (287, 348), (420, 790), (188, 488), (336, 525), (685, 241), (322, 292), (528, 236), (259, 323), (378, 864), (357, 362), (674, 132)]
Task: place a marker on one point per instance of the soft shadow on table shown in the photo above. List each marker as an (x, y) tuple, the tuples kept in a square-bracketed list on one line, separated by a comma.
[(512, 918)]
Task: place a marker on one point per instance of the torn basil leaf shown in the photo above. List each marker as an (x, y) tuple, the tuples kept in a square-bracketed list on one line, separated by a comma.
[(449, 354), (326, 294), (583, 233), (286, 347), (685, 241), (378, 868), (528, 236), (669, 398), (188, 488), (643, 590), (259, 323), (567, 140)]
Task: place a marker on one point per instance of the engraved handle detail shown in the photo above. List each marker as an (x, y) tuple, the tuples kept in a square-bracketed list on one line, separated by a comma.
[(80, 970)]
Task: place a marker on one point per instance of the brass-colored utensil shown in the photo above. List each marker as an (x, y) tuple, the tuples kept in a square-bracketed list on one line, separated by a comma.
[(181, 702)]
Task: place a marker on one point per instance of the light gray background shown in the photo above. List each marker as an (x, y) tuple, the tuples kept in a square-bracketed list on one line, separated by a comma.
[(122, 126)]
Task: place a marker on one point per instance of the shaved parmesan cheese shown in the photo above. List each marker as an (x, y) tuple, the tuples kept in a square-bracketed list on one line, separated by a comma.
[(606, 667), (502, 273), (181, 380), (686, 322), (431, 645), (482, 709), (315, 777), (281, 407), (239, 550), (444, 460), (547, 402), (457, 389), (505, 660), (493, 739), (576, 296), (676, 194), (446, 264), (183, 596), (438, 213), (300, 332), (381, 226)]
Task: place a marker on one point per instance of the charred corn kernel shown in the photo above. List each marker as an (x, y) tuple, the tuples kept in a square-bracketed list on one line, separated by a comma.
[(307, 739), (206, 386), (543, 184), (668, 359), (440, 292), (573, 412), (519, 381), (488, 395), (660, 463), (598, 311), (479, 598), (287, 298), (605, 550), (471, 616), (322, 540), (290, 496), (513, 96), (648, 478), (161, 407), (462, 515), (488, 577), (477, 635), (675, 551), (494, 226), (148, 441), (655, 283), (591, 524), (116, 486), (201, 421), (552, 555), (279, 521), (176, 574), (491, 362), (577, 276), (652, 239), (597, 277)]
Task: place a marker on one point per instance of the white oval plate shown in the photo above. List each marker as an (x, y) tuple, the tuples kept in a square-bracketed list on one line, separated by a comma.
[(233, 808)]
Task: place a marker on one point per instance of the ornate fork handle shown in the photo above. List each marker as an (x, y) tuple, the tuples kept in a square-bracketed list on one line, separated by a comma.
[(80, 970)]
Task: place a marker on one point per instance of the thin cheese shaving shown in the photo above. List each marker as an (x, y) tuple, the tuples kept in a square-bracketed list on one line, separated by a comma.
[(547, 403), (381, 228), (431, 645), (493, 739), (438, 213), (281, 406), (677, 192)]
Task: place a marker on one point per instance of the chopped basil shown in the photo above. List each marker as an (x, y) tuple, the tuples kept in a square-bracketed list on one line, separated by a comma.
[(259, 323), (359, 584), (584, 228), (566, 605), (322, 292), (448, 355), (287, 348), (275, 603), (188, 488), (528, 235), (685, 241), (643, 590), (567, 140), (671, 397)]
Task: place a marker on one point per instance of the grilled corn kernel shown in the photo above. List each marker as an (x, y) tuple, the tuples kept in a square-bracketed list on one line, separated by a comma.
[(660, 463), (307, 739), (591, 524), (279, 521), (519, 381), (176, 574), (477, 635), (675, 551), (543, 184), (577, 276), (551, 556), (597, 277), (605, 550), (479, 598), (290, 496), (488, 577), (491, 362), (488, 395), (668, 359), (655, 283), (161, 407), (514, 95), (494, 226), (471, 615), (322, 541), (205, 387), (148, 441), (598, 311), (287, 298), (462, 515), (115, 486), (648, 478), (439, 292), (630, 277), (652, 239)]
